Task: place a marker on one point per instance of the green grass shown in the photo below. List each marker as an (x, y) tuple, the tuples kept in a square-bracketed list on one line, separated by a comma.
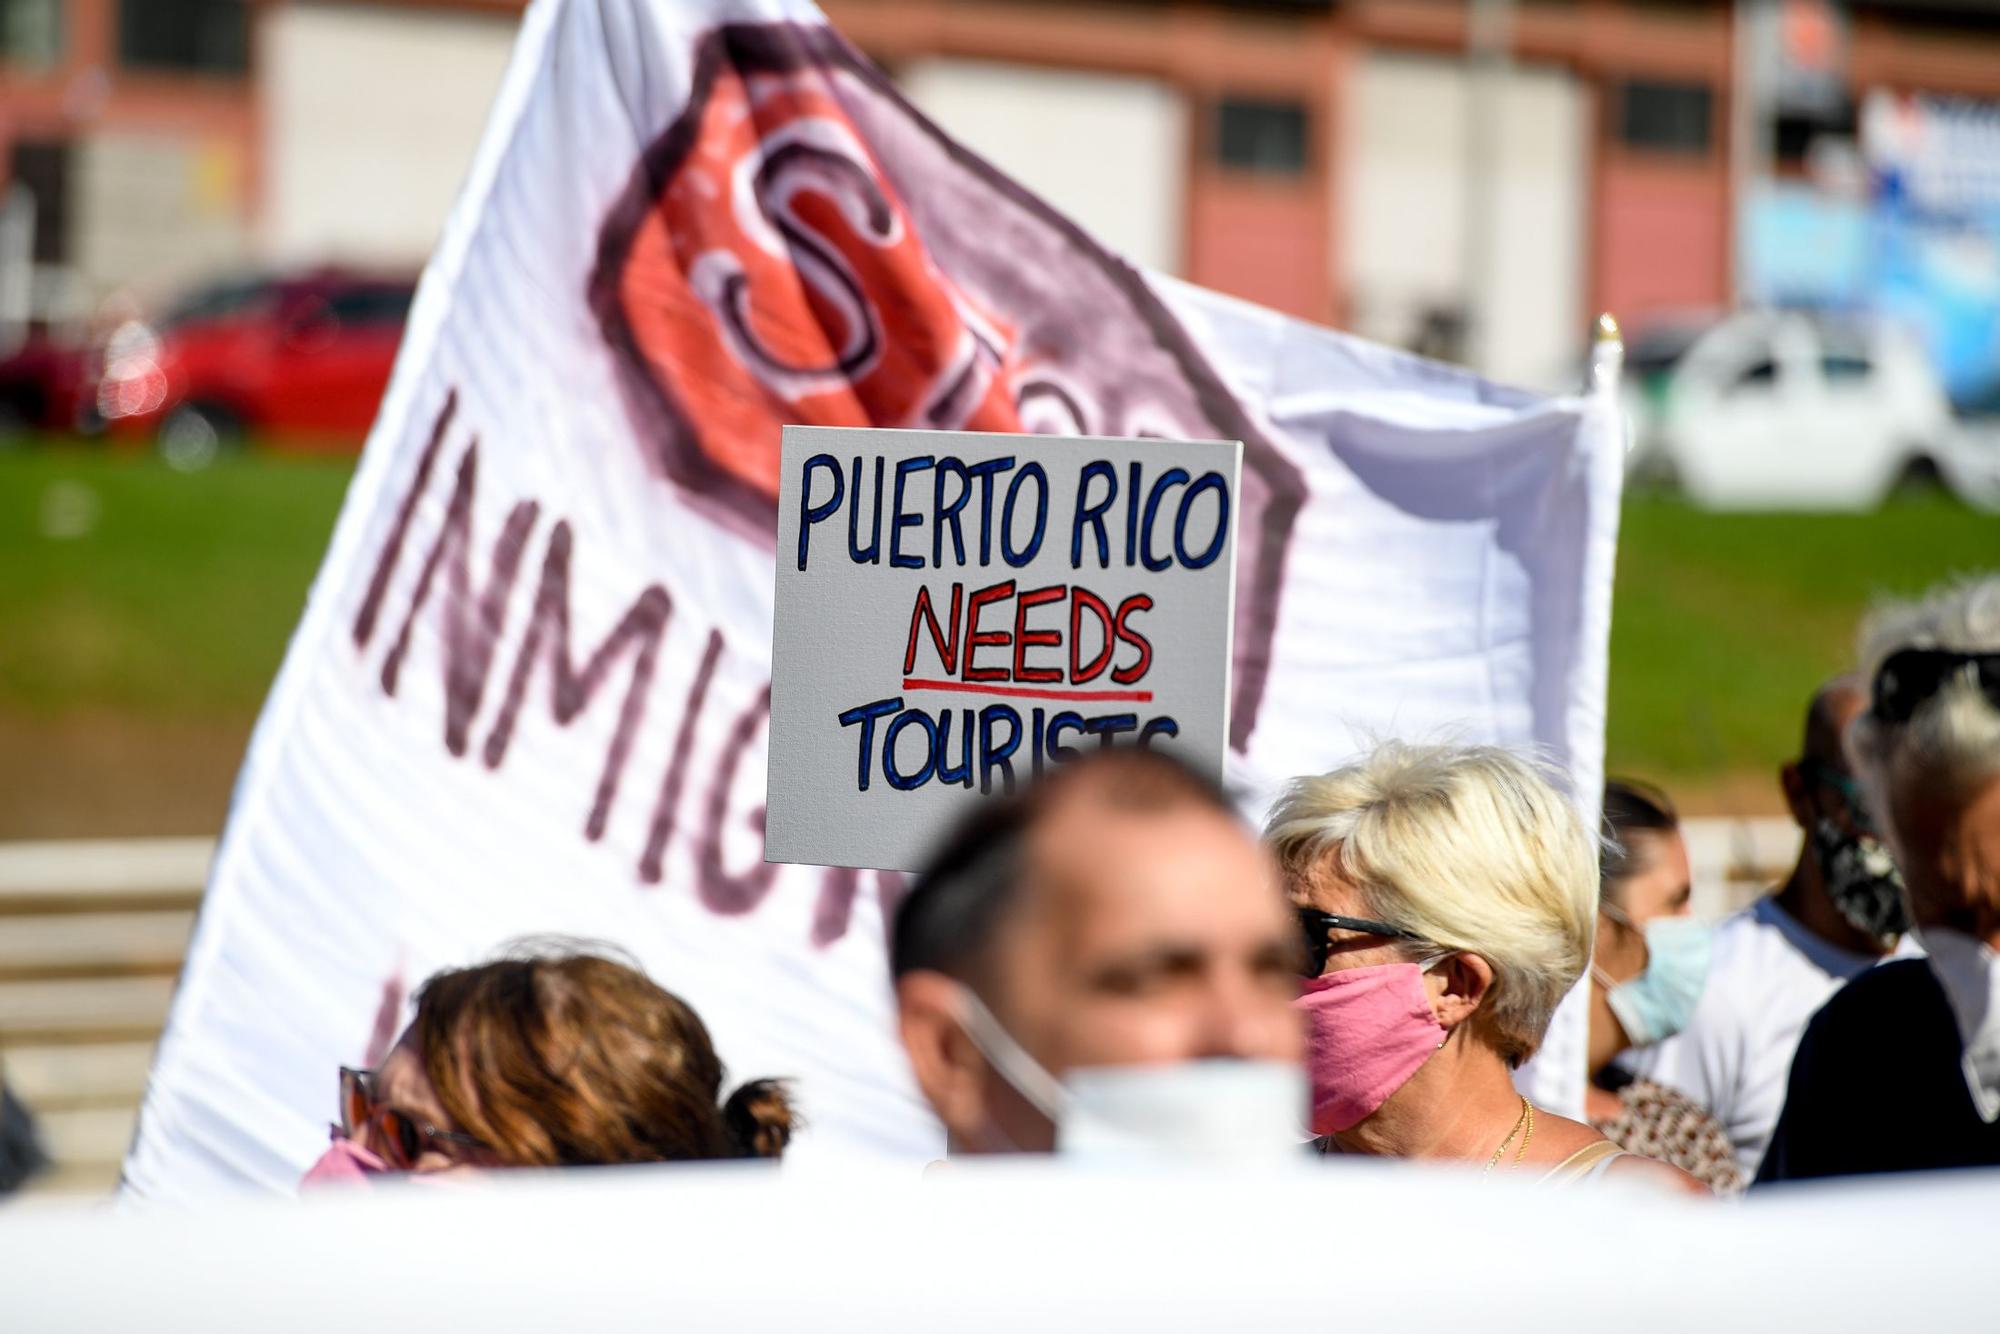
[(141, 598), (130, 588), (1723, 624)]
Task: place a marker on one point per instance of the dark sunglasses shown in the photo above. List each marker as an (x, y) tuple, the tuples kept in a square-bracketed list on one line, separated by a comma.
[(404, 1138), (1913, 676), (1316, 924)]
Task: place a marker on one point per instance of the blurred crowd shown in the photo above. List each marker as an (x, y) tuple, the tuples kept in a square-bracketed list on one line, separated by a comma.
[(1107, 962), (1102, 961)]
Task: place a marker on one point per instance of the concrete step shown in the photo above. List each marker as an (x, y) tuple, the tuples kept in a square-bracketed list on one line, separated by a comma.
[(95, 1136), (109, 875), (1735, 861), (112, 1009), (26, 901), (60, 1077), (91, 936), (67, 1183), (93, 944)]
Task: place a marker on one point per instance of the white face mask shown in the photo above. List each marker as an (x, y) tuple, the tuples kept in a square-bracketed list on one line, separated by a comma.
[(1969, 972), (1209, 1110)]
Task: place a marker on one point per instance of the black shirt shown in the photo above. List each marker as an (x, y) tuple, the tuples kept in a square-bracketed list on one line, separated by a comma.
[(20, 1154), (1878, 1085)]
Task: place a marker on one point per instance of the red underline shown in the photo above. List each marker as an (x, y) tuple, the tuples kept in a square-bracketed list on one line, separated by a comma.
[(1028, 692)]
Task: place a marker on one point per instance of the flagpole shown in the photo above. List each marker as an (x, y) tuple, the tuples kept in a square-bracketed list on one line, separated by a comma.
[(1607, 368), (1607, 355)]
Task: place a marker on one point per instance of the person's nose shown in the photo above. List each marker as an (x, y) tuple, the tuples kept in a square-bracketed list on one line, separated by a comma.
[(1247, 1020)]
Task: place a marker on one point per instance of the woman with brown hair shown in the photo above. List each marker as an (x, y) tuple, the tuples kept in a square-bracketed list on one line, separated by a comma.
[(550, 1059), (1646, 974)]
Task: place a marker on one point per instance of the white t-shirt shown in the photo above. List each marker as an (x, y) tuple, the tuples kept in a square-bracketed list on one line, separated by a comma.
[(1767, 976)]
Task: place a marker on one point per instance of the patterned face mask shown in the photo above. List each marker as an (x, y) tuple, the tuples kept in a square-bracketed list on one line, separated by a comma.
[(1861, 879)]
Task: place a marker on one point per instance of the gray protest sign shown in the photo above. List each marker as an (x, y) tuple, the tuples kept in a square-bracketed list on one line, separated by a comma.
[(955, 612)]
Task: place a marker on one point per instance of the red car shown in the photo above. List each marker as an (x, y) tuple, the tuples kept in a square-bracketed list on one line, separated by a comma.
[(299, 362), (45, 382)]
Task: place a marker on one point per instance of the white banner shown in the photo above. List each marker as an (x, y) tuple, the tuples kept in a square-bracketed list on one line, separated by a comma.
[(530, 691), (1000, 1246)]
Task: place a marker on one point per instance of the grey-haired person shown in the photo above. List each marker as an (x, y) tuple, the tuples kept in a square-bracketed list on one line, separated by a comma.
[(1900, 1071)]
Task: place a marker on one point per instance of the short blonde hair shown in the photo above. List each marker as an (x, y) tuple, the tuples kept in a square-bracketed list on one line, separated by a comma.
[(1471, 847)]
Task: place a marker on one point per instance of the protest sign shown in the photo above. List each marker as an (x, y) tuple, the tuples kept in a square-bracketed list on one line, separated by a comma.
[(530, 691), (955, 612)]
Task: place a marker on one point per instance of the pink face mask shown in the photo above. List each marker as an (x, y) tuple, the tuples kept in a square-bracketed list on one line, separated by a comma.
[(344, 1163), (1368, 1030)]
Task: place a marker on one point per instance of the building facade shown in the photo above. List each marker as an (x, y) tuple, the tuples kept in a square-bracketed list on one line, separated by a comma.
[(1333, 162), (128, 127), (149, 144), (1335, 159)]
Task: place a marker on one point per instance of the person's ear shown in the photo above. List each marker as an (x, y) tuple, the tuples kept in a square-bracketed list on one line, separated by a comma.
[(1467, 979), (1610, 935), (1797, 798), (1621, 949), (949, 1069)]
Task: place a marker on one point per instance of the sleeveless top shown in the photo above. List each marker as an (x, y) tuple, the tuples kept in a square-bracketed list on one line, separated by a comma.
[(1588, 1163)]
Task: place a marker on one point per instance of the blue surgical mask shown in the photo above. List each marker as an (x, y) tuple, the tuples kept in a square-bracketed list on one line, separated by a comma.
[(1659, 1002)]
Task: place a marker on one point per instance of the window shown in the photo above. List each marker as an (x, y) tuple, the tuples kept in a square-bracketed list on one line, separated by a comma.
[(371, 305), (1843, 352), (1255, 135), (1760, 376), (42, 168), (1669, 117), (223, 301), (1660, 348), (1793, 134), (185, 36), (31, 32)]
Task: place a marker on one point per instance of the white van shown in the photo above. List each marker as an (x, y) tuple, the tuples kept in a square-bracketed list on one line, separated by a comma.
[(1773, 410)]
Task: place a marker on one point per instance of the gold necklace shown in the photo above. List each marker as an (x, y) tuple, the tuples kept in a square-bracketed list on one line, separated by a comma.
[(1526, 1120)]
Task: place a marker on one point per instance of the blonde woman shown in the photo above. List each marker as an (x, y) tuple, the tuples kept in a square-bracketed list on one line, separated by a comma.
[(1448, 896)]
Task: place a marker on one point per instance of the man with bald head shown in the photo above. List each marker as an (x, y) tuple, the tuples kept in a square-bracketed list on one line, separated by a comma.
[(1104, 959), (1778, 961)]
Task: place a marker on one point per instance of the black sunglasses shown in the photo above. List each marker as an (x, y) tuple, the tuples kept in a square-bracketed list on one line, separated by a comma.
[(404, 1138), (1912, 676), (1316, 924)]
